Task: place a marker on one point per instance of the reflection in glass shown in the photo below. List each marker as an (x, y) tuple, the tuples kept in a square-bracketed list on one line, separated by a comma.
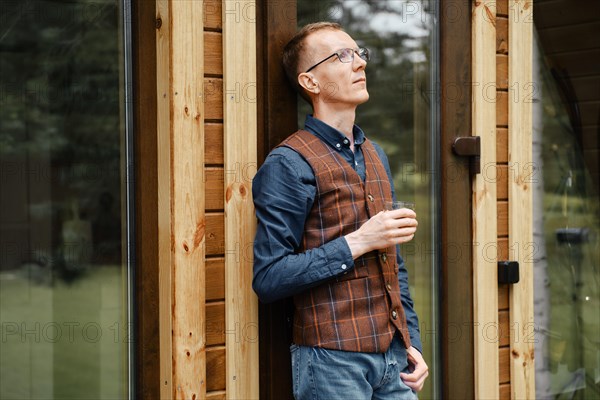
[(567, 262), (63, 278), (401, 116)]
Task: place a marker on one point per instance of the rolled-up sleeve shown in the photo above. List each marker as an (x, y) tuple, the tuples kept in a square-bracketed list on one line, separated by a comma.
[(284, 191)]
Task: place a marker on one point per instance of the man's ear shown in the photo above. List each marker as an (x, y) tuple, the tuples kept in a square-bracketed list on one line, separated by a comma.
[(309, 83)]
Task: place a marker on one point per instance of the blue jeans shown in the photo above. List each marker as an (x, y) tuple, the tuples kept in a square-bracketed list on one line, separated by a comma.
[(325, 374)]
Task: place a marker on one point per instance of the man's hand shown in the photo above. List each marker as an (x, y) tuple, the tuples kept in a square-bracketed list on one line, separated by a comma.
[(388, 228), (416, 379)]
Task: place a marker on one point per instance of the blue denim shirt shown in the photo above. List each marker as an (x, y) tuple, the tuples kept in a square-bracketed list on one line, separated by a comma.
[(284, 190)]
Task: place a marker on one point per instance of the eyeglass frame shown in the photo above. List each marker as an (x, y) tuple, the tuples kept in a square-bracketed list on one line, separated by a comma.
[(364, 50)]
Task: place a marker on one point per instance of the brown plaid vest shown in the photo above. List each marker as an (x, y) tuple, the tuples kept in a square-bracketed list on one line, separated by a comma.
[(361, 309)]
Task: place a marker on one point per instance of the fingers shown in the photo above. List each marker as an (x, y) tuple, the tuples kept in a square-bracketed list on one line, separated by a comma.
[(416, 379)]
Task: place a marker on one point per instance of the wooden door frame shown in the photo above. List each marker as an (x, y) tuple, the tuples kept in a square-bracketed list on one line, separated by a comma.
[(277, 119)]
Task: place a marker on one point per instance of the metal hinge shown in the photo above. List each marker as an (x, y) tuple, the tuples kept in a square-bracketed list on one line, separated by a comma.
[(469, 146)]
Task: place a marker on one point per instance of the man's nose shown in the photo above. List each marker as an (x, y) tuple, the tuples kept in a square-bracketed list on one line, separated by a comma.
[(358, 62)]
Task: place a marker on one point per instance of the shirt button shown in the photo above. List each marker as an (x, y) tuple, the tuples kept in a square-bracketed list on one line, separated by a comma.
[(346, 141), (344, 266), (394, 314), (338, 145), (371, 198)]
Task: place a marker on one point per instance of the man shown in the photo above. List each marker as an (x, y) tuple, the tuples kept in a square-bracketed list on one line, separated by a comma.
[(325, 237)]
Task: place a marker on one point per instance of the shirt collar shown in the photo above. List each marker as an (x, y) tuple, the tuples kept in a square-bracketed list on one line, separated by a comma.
[(332, 136)]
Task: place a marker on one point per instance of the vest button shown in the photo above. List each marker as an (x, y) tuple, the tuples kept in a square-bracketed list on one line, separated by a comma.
[(371, 198), (394, 314), (384, 257), (389, 287)]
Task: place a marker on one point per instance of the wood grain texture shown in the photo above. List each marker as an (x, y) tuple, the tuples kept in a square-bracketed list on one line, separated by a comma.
[(215, 369), (502, 71), (213, 143), (240, 154), (213, 11), (502, 218), (522, 371), (213, 53), (163, 126), (215, 234), (502, 100), (485, 277), (502, 145), (214, 196), (504, 365), (215, 279)]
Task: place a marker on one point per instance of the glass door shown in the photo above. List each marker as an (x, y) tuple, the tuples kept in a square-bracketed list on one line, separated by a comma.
[(401, 116), (65, 237)]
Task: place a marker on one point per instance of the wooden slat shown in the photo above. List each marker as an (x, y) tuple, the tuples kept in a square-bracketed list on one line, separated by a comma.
[(502, 145), (503, 297), (503, 249), (215, 234), (213, 143), (215, 324), (216, 395), (564, 12), (485, 280), (502, 99), (213, 53), (562, 38), (215, 369), (215, 279), (240, 139), (504, 365), (501, 180), (213, 98), (505, 391), (502, 71), (502, 35), (213, 11), (522, 368), (503, 328), (589, 113), (187, 205), (163, 126), (587, 88), (502, 8), (214, 188), (502, 218), (578, 63)]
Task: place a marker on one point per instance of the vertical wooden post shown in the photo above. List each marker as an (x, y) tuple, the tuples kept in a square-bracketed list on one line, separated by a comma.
[(521, 246), (485, 276), (180, 78), (240, 130)]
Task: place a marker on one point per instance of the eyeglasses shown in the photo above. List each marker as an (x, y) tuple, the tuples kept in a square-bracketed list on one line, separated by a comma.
[(345, 56)]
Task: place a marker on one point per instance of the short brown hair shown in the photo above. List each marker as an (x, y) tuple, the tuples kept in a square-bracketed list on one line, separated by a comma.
[(295, 48)]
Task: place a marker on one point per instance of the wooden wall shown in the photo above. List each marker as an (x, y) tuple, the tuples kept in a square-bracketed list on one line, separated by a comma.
[(568, 32)]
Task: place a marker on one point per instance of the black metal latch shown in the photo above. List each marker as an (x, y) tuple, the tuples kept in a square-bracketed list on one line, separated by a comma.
[(469, 146), (508, 272)]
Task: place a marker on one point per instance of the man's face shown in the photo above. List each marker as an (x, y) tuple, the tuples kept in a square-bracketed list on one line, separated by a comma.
[(340, 83)]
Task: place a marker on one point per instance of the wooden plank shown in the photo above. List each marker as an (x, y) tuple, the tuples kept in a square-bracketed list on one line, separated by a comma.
[(213, 98), (587, 88), (216, 395), (213, 53), (502, 36), (564, 12), (502, 99), (503, 250), (577, 63), (163, 126), (147, 343), (502, 8), (213, 143), (504, 365), (215, 323), (502, 71), (240, 139), (522, 368), (505, 391), (186, 71), (561, 38), (589, 113), (502, 218), (501, 180), (213, 10), (215, 369), (215, 279), (502, 145), (214, 189), (503, 328), (503, 297), (485, 280), (215, 234)]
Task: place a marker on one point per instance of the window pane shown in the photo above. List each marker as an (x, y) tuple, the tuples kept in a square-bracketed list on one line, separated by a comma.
[(63, 273), (401, 116)]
